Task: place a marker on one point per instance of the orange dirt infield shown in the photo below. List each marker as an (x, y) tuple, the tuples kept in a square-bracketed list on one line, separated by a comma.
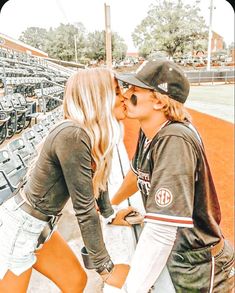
[(218, 138)]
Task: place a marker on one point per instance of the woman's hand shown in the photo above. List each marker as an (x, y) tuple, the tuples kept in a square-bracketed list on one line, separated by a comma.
[(121, 215), (117, 276)]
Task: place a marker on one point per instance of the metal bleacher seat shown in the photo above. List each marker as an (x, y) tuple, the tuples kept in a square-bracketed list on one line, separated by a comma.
[(21, 112), (52, 119), (40, 129), (47, 122), (17, 113), (23, 149), (5, 190), (12, 173), (6, 106), (30, 106), (58, 115), (32, 137), (4, 118)]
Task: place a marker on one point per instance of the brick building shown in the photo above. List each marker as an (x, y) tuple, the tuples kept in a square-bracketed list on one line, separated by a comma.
[(217, 42), (9, 43)]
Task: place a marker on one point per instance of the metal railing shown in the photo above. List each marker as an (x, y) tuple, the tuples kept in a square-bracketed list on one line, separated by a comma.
[(204, 76)]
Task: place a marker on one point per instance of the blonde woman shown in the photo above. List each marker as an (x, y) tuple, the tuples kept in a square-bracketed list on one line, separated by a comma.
[(75, 162), (171, 171)]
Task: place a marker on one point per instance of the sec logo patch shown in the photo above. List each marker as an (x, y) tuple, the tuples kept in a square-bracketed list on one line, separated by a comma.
[(163, 197)]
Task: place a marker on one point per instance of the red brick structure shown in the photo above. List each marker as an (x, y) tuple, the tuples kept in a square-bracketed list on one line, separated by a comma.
[(16, 45), (233, 54), (216, 42), (132, 54)]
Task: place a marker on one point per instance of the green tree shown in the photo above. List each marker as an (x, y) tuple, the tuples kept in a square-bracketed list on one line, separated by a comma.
[(96, 46), (119, 48), (35, 36), (61, 41), (231, 46), (171, 27)]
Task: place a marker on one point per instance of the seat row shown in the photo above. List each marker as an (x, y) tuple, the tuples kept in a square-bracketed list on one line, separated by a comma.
[(18, 68), (16, 114), (16, 156)]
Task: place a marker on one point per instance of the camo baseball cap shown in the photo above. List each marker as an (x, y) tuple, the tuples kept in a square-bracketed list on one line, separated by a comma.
[(162, 76)]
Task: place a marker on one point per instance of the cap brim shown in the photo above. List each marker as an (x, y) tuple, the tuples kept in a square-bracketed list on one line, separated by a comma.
[(132, 80)]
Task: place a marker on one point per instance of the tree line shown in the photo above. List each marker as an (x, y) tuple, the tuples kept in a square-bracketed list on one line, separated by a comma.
[(170, 27), (62, 41)]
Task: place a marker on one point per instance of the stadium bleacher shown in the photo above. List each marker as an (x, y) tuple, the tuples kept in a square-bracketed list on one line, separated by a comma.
[(31, 94)]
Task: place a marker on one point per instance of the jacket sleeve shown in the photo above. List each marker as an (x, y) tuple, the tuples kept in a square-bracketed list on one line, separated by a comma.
[(73, 152), (104, 204)]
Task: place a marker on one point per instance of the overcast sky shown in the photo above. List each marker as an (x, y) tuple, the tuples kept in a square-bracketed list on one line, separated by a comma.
[(17, 15)]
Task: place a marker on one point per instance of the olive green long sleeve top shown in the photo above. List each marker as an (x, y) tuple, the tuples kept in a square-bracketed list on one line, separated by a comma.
[(63, 170)]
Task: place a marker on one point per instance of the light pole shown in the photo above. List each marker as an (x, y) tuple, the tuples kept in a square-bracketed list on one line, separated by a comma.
[(75, 48), (210, 37), (108, 36), (211, 7)]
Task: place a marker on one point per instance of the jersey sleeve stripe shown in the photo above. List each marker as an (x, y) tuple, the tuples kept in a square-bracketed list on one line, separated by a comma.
[(169, 220), (132, 168)]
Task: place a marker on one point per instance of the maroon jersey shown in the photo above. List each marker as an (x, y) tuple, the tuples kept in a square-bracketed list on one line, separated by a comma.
[(175, 181)]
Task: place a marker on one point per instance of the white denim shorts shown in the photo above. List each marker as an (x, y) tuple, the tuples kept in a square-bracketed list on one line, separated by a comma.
[(19, 233)]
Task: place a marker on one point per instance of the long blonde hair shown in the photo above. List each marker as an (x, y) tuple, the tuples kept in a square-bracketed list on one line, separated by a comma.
[(89, 101), (174, 111)]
